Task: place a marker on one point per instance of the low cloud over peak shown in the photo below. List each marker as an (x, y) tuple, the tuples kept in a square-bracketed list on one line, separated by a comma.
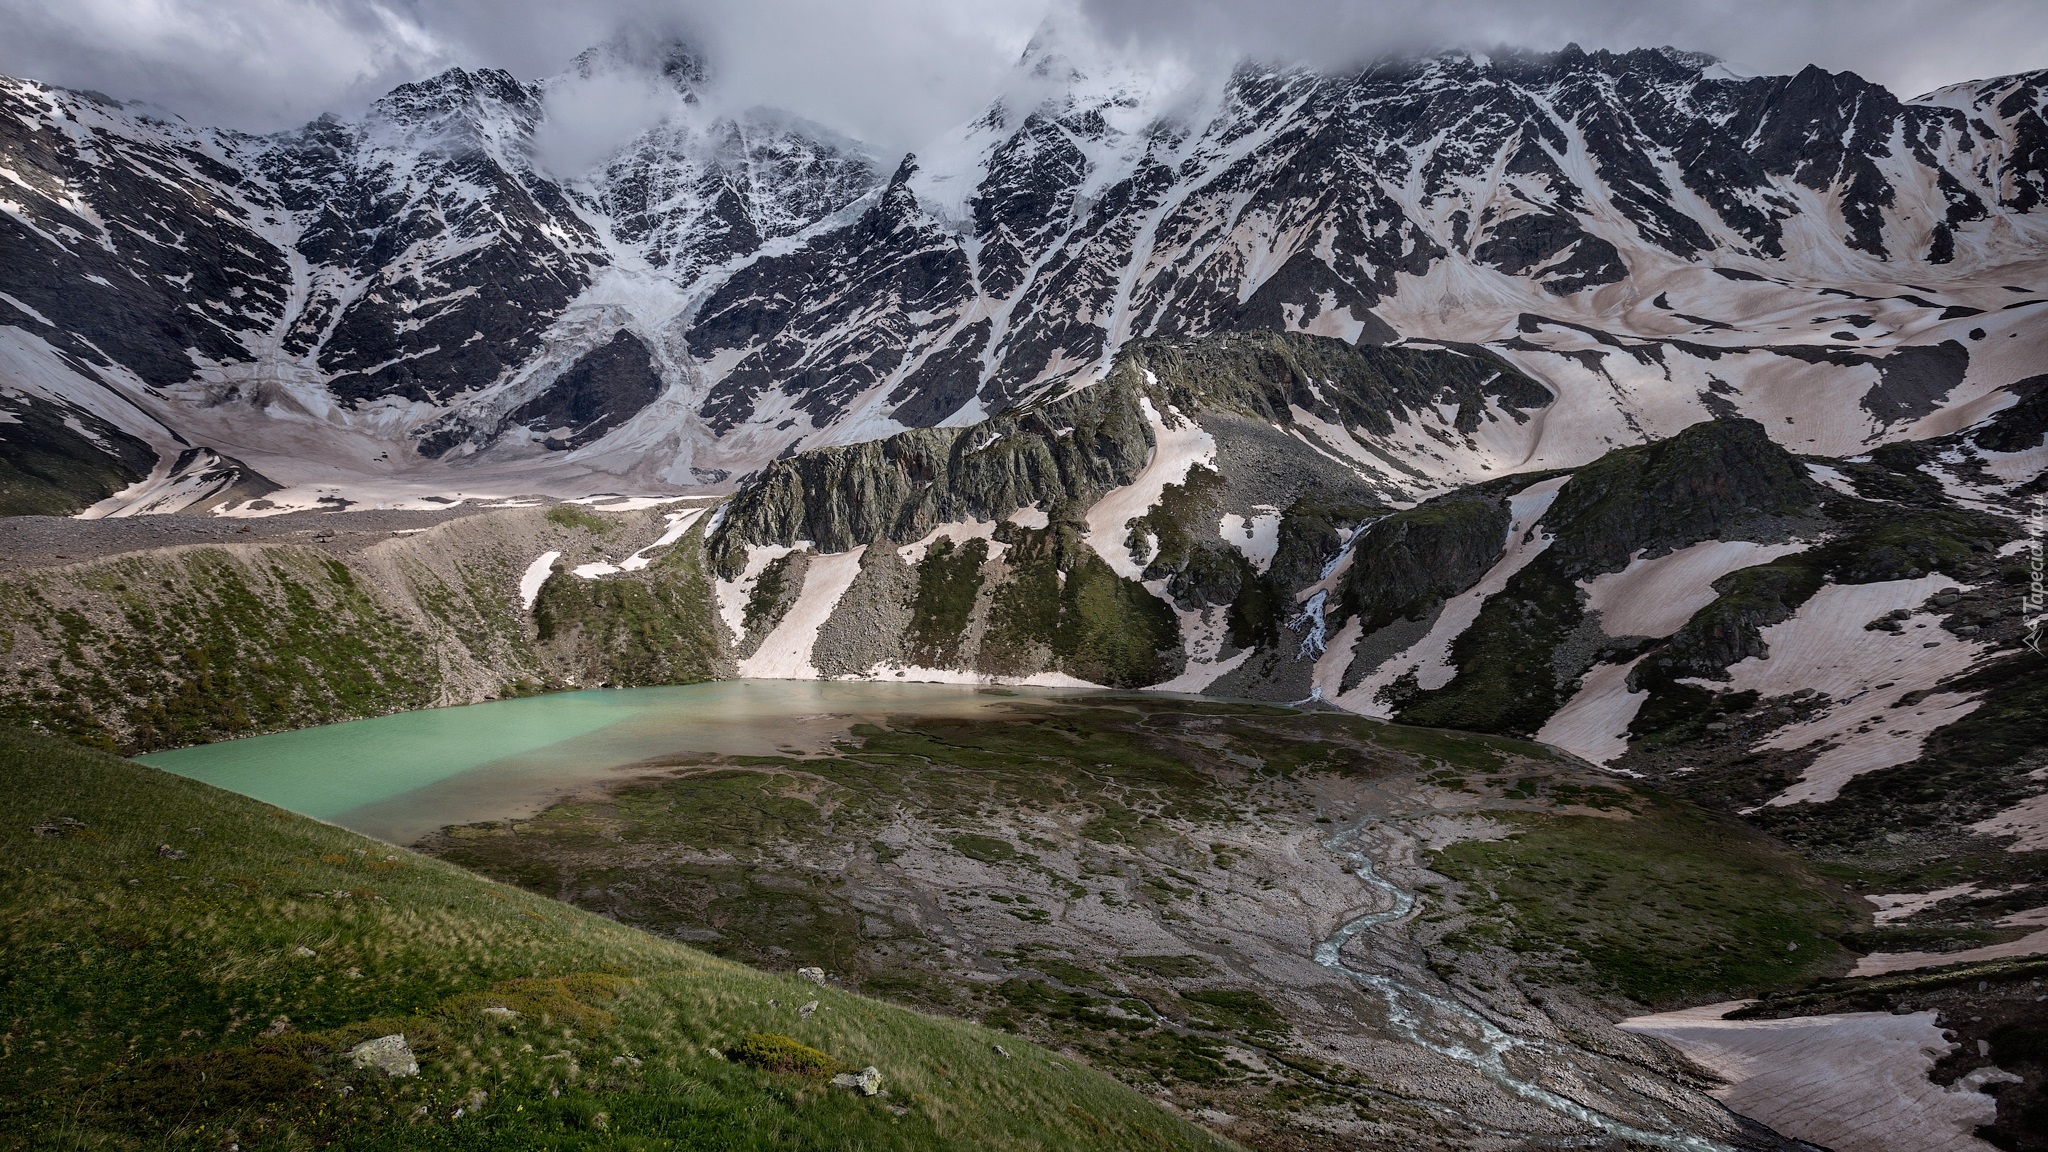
[(895, 72)]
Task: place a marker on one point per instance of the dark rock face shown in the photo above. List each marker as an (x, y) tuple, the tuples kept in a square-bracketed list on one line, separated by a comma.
[(221, 479), (1268, 375), (1553, 249), (1676, 492), (1408, 561), (1191, 233), (949, 378), (834, 318), (604, 388), (1064, 452), (1028, 194), (55, 460), (757, 178), (130, 249), (447, 256), (2022, 426), (1914, 381)]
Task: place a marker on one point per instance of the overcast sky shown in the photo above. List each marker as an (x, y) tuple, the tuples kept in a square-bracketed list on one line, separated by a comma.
[(896, 71)]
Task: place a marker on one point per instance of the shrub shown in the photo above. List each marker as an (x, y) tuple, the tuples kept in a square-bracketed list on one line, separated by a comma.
[(773, 1052), (577, 516)]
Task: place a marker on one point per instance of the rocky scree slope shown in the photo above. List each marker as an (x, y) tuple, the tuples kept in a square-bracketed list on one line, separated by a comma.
[(346, 311)]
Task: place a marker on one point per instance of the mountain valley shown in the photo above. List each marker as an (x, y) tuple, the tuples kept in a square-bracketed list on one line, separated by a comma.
[(1534, 561)]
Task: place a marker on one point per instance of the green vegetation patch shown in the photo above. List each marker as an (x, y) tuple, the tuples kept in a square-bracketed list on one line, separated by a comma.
[(1171, 967), (1506, 679), (987, 849), (777, 588), (1410, 561), (1062, 605), (659, 626), (947, 581), (1671, 906), (774, 1052), (574, 516), (1236, 1009), (209, 644), (1112, 631)]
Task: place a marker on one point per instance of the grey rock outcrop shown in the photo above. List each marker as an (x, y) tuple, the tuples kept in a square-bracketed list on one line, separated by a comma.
[(386, 1054), (867, 1081)]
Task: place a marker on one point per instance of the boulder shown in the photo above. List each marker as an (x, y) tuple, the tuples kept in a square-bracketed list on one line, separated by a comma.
[(867, 1081), (386, 1054)]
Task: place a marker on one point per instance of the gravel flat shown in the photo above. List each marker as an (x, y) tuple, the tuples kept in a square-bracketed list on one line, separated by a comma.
[(44, 541)]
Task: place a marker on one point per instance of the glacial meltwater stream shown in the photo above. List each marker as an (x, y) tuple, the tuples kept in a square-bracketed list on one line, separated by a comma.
[(1483, 1045), (401, 777)]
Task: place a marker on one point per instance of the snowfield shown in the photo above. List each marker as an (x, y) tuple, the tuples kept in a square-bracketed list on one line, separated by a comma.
[(1177, 447), (1593, 724), (1656, 597), (1865, 673), (1855, 1082)]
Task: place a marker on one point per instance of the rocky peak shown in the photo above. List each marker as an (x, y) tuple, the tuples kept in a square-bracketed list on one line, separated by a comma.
[(458, 97)]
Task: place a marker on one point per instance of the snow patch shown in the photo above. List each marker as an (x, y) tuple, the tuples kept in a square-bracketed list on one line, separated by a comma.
[(1656, 597), (1894, 908), (1832, 478), (918, 674), (1824, 647), (1175, 450), (678, 524), (536, 574), (960, 532), (1854, 1082), (1593, 725), (1203, 635), (1198, 675), (2027, 820), (785, 653), (1030, 517), (1257, 538), (1882, 963), (733, 594)]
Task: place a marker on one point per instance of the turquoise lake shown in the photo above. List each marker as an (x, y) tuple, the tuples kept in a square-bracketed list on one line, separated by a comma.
[(401, 777)]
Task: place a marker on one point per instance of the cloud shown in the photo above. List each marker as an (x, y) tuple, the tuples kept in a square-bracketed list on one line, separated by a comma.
[(255, 64), (590, 118), (894, 72), (1910, 46)]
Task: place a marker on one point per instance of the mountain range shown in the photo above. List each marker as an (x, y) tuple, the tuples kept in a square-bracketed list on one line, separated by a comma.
[(415, 302)]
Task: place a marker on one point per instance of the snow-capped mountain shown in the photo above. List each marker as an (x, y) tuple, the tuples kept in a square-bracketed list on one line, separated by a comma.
[(423, 302)]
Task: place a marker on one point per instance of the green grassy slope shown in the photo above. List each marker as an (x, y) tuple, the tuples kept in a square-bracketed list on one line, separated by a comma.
[(152, 929)]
